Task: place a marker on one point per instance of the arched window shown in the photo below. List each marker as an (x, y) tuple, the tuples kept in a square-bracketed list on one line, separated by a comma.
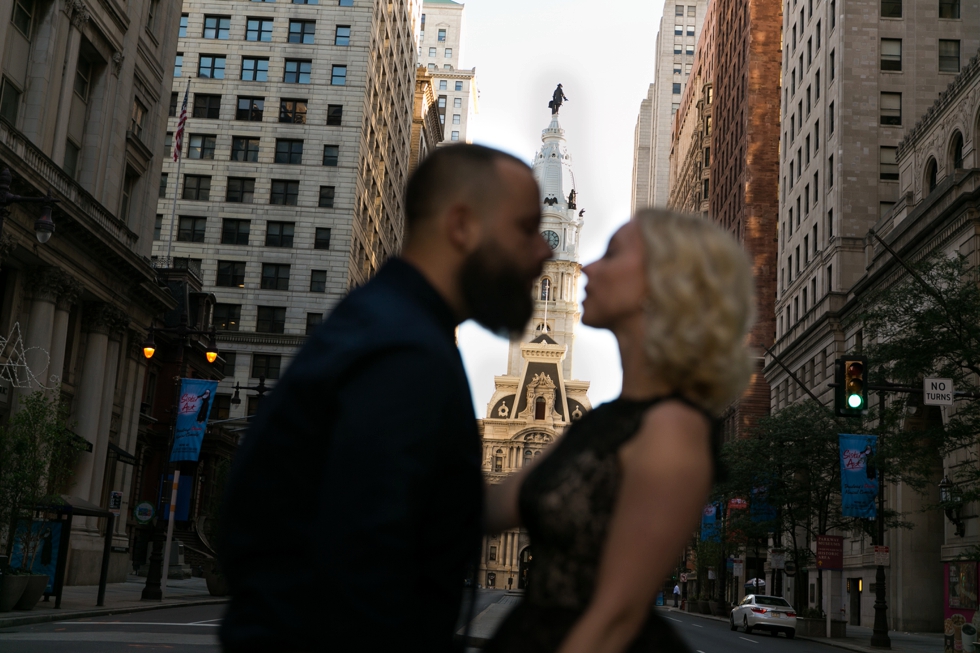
[(932, 170), (527, 456), (539, 408), (545, 289), (956, 151), (498, 461)]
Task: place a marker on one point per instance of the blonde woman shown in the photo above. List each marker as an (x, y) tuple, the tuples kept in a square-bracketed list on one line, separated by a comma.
[(611, 506)]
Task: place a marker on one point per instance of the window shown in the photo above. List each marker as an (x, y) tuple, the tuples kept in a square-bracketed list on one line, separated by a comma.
[(216, 27), (244, 148), (221, 409), (302, 31), (893, 8), (292, 111), (678, 30), (689, 50), (677, 69), (151, 13), (326, 197), (891, 54), (678, 48), (887, 164), (157, 226), (342, 35), (313, 320), (275, 276), (459, 86), (833, 14), (271, 319), (455, 118), (443, 85), (201, 146), (318, 281), (211, 67), (949, 8), (458, 103), (191, 229), (949, 56), (231, 274), (207, 106), (833, 66), (179, 64), (830, 118), (677, 89), (315, 2), (136, 119), (234, 232), (298, 71), (289, 151), (197, 187), (432, 52), (182, 31), (257, 29), (331, 155), (163, 176), (129, 189), (322, 238), (957, 151), (255, 69), (168, 145), (338, 76), (265, 365), (83, 78), (816, 85), (931, 175), (241, 190), (830, 224), (806, 148), (174, 99), (678, 10), (335, 114), (442, 35), (884, 208), (890, 108), (230, 358), (250, 109), (9, 101), (284, 192), (690, 30), (830, 173), (23, 18), (279, 234), (692, 12)]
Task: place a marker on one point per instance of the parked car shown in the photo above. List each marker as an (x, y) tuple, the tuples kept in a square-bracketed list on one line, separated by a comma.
[(758, 612)]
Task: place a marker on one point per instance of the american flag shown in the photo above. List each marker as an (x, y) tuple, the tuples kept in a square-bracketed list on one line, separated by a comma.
[(179, 136)]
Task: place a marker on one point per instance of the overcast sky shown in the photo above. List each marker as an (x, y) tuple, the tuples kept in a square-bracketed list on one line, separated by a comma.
[(603, 55)]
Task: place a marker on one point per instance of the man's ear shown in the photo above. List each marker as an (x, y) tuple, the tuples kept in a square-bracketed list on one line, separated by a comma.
[(464, 227)]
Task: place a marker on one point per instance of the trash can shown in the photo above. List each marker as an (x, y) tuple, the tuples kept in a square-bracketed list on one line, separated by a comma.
[(969, 637)]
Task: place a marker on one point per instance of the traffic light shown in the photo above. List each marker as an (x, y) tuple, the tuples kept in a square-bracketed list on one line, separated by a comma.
[(851, 397)]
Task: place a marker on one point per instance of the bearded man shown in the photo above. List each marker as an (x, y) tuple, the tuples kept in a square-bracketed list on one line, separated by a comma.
[(355, 500)]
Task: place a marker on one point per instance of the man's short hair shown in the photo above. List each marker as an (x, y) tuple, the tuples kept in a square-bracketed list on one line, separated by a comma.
[(451, 173)]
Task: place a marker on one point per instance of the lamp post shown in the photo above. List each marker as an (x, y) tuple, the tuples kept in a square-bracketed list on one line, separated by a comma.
[(159, 560), (261, 388), (951, 501), (879, 635), (44, 225)]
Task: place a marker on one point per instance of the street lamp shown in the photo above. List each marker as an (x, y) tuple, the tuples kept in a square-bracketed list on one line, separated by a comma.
[(44, 225), (951, 504), (182, 331), (261, 388)]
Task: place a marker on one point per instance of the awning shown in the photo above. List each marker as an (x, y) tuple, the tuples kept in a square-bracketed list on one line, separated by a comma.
[(122, 455), (85, 444)]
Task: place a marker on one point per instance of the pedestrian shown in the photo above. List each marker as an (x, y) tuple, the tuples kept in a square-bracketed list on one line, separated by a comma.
[(677, 595), (355, 501), (602, 505)]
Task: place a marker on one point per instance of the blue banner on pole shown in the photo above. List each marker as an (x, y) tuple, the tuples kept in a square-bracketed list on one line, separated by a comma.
[(709, 524), (196, 397), (760, 510), (858, 476)]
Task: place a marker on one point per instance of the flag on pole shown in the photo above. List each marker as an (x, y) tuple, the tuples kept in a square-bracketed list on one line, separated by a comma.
[(179, 136)]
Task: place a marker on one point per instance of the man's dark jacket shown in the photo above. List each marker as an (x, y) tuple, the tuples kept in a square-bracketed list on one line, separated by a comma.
[(355, 500)]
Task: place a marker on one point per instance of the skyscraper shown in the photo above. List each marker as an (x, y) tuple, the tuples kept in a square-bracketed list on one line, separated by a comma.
[(680, 26), (440, 51), (295, 154)]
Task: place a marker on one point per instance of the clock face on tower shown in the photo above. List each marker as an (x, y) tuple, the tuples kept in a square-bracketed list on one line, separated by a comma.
[(552, 238)]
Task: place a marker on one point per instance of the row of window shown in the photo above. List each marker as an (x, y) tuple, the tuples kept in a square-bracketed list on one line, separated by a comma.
[(252, 109), (447, 52), (275, 276), (949, 9), (692, 11), (241, 190), (236, 231), (218, 28), (246, 148), (679, 30), (269, 319), (256, 69)]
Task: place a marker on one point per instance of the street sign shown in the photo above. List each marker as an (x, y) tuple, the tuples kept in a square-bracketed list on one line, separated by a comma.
[(143, 512), (790, 568), (830, 552), (683, 578), (937, 392), (882, 556), (115, 502), (777, 559), (738, 569)]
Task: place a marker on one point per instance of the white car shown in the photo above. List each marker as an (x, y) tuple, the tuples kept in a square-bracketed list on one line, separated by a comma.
[(758, 612)]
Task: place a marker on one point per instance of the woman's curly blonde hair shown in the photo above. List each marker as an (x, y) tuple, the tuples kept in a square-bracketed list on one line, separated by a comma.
[(700, 307)]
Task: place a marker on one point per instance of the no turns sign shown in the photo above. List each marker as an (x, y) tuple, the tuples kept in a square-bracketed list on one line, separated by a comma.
[(937, 392)]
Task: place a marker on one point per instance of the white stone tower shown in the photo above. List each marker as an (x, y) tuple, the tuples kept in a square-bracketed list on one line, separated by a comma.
[(537, 400)]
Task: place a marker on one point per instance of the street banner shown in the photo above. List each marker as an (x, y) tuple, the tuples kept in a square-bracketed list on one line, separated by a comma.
[(760, 510), (830, 552), (196, 397), (709, 524), (858, 477), (46, 536)]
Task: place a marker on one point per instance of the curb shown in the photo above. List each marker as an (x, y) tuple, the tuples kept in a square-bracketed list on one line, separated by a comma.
[(31, 619)]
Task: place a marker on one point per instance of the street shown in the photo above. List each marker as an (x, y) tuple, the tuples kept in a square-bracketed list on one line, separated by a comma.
[(711, 636), (193, 628)]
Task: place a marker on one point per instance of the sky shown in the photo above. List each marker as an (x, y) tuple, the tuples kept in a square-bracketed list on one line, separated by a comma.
[(603, 55)]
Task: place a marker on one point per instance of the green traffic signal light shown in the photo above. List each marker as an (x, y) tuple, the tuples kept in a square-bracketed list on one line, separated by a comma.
[(854, 401), (852, 393)]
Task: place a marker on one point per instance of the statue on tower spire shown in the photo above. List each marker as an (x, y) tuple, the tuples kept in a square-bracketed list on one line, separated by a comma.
[(556, 100)]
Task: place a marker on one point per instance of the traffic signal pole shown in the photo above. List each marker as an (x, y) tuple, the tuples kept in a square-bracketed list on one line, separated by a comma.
[(879, 635)]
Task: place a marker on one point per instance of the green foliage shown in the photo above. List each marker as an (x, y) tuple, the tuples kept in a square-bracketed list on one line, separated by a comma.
[(37, 459)]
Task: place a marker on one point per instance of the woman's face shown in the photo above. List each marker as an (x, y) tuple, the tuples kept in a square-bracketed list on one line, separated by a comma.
[(616, 289)]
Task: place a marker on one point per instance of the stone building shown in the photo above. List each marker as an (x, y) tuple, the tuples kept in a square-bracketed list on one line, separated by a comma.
[(855, 78), (537, 399), (440, 51), (680, 26), (725, 158), (83, 102), (295, 154), (426, 127)]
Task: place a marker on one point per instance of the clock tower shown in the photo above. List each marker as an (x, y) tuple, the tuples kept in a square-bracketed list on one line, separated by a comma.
[(537, 399)]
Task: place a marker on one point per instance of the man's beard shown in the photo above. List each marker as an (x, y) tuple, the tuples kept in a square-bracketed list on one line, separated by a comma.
[(496, 293)]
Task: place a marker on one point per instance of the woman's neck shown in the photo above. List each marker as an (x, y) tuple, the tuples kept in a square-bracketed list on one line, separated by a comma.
[(639, 379)]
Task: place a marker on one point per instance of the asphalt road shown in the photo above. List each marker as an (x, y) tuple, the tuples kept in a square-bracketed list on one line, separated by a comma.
[(711, 636), (192, 628)]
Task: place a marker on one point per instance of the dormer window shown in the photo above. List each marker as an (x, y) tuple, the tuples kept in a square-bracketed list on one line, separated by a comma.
[(539, 408), (545, 289)]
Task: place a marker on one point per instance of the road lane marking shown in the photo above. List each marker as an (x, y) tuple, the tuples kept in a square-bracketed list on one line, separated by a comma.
[(135, 623), (206, 621), (749, 640), (700, 651), (677, 620), (697, 626)]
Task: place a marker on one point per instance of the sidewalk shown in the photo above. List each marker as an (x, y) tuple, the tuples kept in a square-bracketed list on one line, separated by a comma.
[(858, 638), (79, 601)]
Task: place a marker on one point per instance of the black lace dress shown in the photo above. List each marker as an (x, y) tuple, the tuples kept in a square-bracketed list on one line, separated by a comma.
[(566, 504)]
